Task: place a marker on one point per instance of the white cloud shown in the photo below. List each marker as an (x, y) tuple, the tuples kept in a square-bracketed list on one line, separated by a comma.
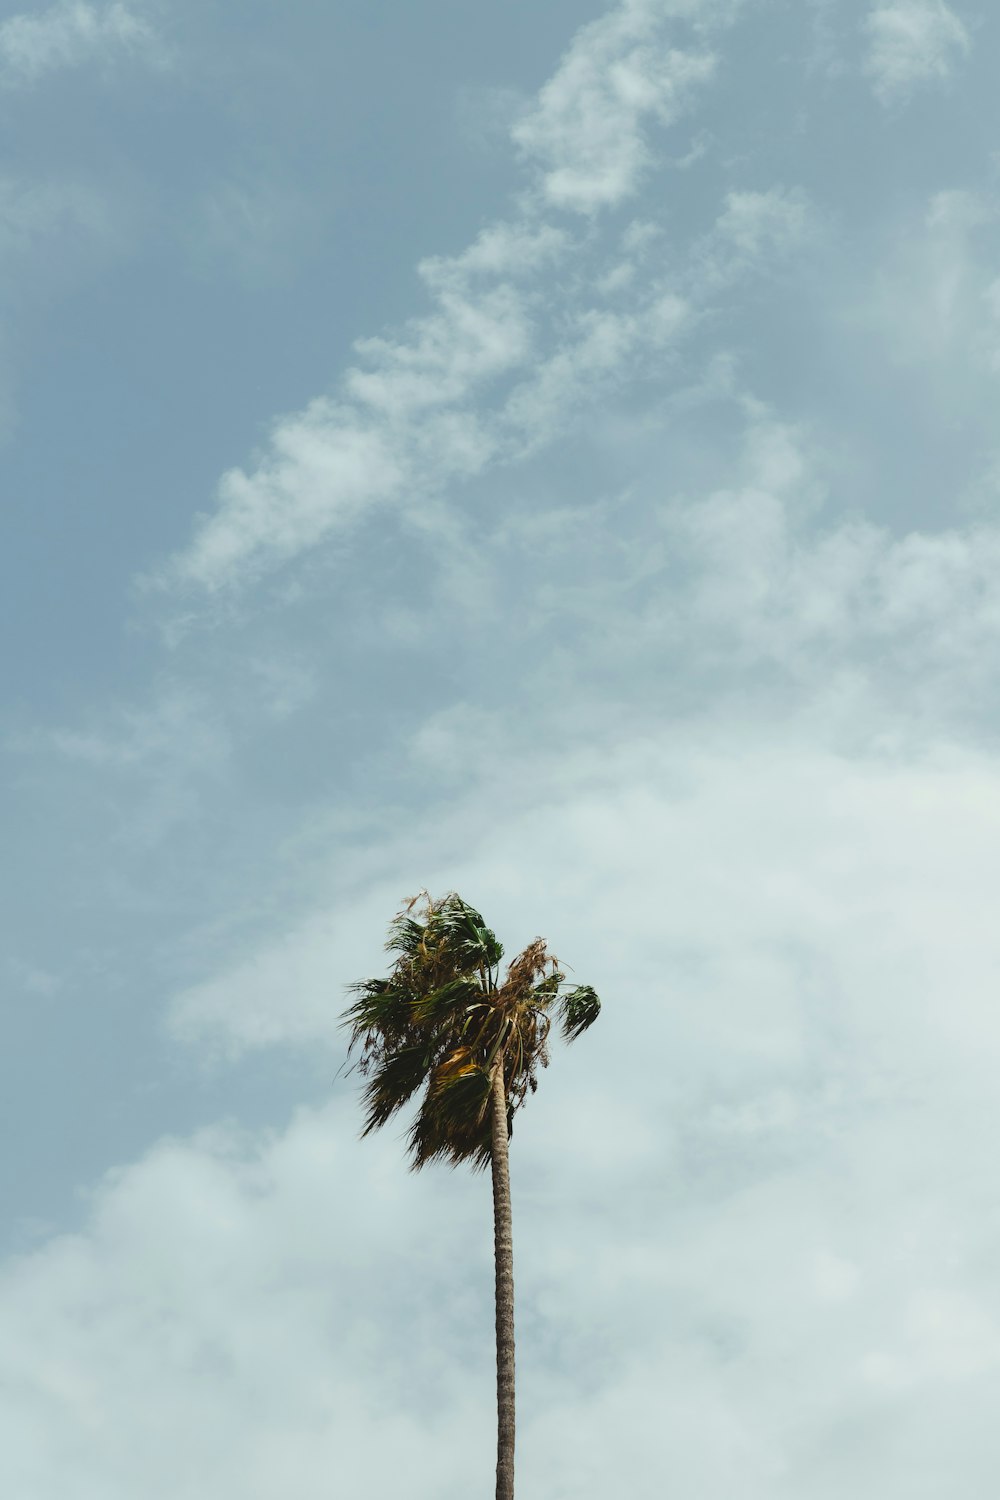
[(68, 35), (671, 828), (912, 42), (588, 129), (932, 302), (761, 577), (757, 232), (755, 578), (30, 981), (773, 222), (493, 372), (418, 414), (156, 757), (468, 341), (432, 405), (884, 640), (805, 942), (751, 583), (504, 249), (178, 725), (219, 1294), (603, 346), (403, 426), (323, 467)]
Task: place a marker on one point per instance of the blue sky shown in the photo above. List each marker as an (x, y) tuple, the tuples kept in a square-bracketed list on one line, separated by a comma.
[(550, 455)]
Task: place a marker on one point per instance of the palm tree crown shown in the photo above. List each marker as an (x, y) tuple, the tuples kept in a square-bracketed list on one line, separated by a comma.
[(444, 1022)]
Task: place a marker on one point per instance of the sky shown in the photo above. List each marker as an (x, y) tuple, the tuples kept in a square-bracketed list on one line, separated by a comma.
[(546, 452)]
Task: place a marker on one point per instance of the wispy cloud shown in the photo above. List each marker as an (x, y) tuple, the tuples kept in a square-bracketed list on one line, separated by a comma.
[(756, 231), (69, 35), (588, 129), (912, 42), (509, 347), (427, 407), (746, 599), (933, 300), (56, 212), (765, 223)]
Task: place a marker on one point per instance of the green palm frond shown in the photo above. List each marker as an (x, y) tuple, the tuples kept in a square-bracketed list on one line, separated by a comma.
[(382, 1009), (547, 992), (461, 932), (451, 1002), (429, 1140), (453, 1124), (578, 1009), (459, 1095), (393, 1083), (405, 935)]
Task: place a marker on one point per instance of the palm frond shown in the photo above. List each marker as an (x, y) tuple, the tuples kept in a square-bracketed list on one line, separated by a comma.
[(449, 1003), (405, 935), (527, 973), (578, 1009), (459, 1094), (428, 1141), (381, 1013), (393, 1083), (453, 1123), (546, 992), (462, 932)]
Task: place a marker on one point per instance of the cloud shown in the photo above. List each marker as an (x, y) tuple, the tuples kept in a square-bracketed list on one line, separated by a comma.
[(932, 302), (453, 393), (758, 575), (69, 35), (796, 947), (600, 347), (912, 42), (424, 409), (770, 223), (178, 723), (757, 232), (217, 1293), (742, 577), (53, 215), (770, 622), (587, 130), (152, 762), (504, 249), (324, 466), (508, 356)]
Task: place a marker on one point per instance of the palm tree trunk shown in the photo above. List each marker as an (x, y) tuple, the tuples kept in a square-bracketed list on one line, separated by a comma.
[(504, 1256)]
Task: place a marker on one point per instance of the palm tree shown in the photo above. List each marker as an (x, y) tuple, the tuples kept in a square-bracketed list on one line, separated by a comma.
[(444, 1022)]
